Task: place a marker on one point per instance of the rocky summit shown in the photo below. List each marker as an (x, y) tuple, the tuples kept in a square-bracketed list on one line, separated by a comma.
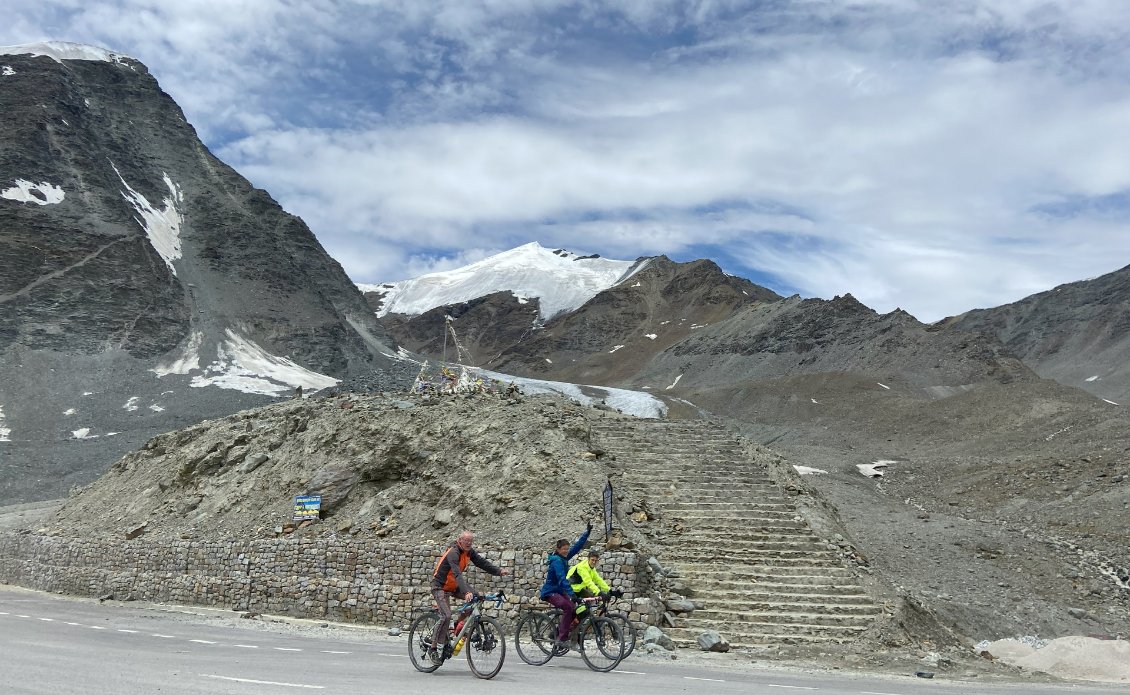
[(1077, 334), (134, 266)]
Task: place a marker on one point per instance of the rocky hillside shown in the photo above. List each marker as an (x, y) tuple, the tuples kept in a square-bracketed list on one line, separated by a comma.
[(1077, 334), (409, 468), (133, 263)]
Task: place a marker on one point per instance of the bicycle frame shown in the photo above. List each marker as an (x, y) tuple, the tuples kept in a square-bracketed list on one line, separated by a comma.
[(476, 611)]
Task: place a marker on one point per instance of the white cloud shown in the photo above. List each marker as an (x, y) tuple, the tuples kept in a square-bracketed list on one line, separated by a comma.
[(900, 150)]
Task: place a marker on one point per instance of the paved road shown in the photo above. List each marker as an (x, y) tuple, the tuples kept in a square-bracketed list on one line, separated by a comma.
[(55, 645)]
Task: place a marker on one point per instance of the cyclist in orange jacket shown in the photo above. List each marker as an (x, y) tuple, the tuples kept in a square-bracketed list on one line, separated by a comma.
[(448, 580)]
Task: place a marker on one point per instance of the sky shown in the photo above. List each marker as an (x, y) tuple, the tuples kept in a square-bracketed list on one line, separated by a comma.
[(929, 156)]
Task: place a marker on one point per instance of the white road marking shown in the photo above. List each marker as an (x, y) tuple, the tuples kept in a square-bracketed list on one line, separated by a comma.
[(3, 613), (869, 692), (251, 680), (48, 620), (164, 636), (791, 687), (329, 652), (712, 680), (395, 656), (287, 649), (247, 646), (97, 627), (634, 673), (75, 624), (23, 616), (201, 641), (130, 631)]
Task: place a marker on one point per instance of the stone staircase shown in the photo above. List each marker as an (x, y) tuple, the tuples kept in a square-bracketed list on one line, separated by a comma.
[(761, 574)]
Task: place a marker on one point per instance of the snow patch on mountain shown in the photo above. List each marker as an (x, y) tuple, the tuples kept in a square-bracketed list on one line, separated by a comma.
[(562, 281), (161, 226), (39, 193), (186, 362), (242, 365), (634, 403), (64, 50), (5, 432)]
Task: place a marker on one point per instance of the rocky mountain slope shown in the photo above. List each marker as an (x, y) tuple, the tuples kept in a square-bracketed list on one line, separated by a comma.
[(403, 467), (1077, 334), (134, 265)]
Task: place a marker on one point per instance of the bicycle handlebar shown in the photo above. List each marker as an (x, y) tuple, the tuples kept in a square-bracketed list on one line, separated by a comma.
[(485, 598)]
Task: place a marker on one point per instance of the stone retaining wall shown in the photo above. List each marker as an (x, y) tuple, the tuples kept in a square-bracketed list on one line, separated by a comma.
[(379, 582)]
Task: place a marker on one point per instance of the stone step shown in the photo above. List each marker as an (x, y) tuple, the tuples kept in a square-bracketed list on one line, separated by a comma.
[(722, 525), (741, 539), (755, 556), (738, 610), (770, 617), (751, 542), (646, 433), (758, 523), (655, 443), (736, 547), (729, 505), (754, 573), (740, 480), (748, 636), (744, 478), (726, 490), (787, 594), (761, 564), (817, 586)]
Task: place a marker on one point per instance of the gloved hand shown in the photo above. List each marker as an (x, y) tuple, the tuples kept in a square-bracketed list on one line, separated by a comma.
[(576, 599), (588, 527), (604, 595), (616, 593)]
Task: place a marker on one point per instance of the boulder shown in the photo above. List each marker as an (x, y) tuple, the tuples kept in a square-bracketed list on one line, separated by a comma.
[(653, 635), (711, 641), (442, 518), (680, 605), (253, 461), (333, 483)]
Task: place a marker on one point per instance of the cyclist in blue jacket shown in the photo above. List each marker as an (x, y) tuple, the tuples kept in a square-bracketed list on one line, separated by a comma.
[(556, 589)]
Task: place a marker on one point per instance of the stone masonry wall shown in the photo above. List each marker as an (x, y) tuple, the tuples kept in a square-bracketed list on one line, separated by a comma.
[(380, 582)]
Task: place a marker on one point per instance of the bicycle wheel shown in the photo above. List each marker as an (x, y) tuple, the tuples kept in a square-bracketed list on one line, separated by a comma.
[(486, 648), (628, 630), (602, 644), (533, 638), (420, 639)]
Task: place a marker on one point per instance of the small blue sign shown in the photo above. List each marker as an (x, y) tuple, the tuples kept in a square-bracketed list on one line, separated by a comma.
[(307, 507)]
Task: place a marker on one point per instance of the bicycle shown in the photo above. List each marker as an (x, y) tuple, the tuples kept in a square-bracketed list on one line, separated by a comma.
[(597, 638), (481, 635), (627, 627)]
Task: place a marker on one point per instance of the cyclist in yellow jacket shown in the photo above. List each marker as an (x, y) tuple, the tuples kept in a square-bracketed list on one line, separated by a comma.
[(586, 581)]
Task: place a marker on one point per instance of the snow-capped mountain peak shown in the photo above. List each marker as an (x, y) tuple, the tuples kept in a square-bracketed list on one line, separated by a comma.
[(562, 281), (63, 50)]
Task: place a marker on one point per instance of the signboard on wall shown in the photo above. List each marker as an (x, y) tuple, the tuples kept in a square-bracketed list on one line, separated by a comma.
[(307, 507)]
